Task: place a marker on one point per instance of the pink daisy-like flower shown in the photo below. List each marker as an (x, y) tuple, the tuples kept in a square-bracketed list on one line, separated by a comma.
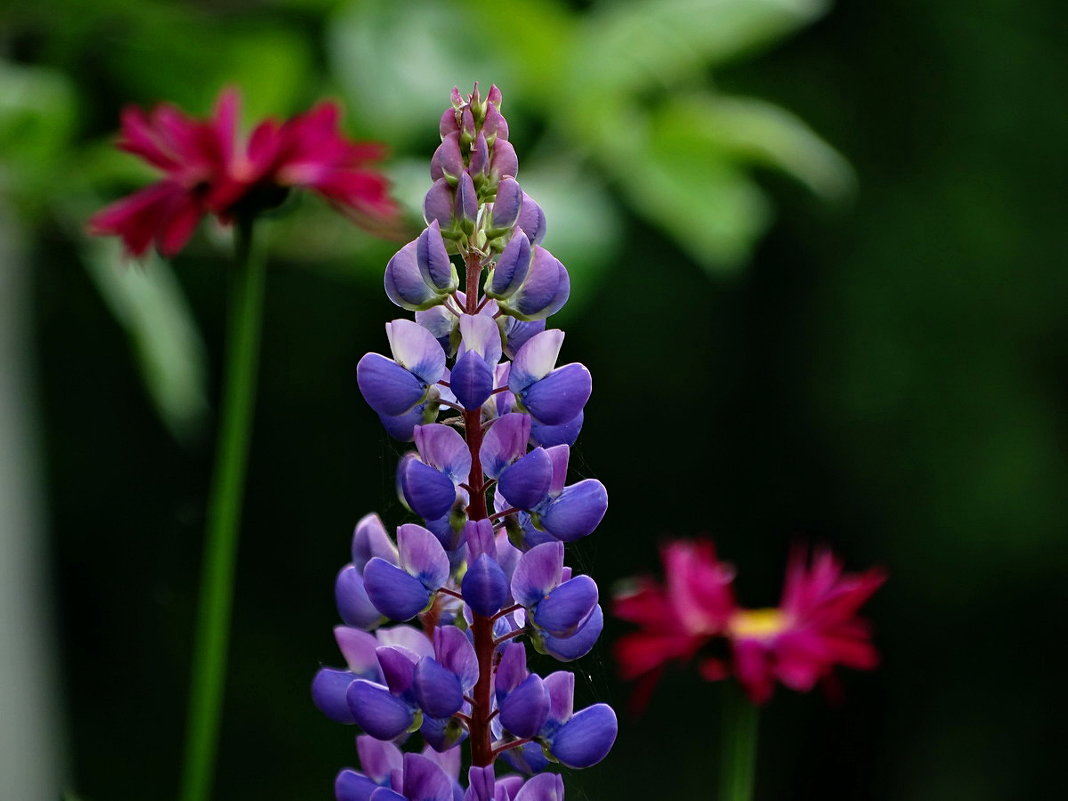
[(695, 616), (209, 169), (814, 628)]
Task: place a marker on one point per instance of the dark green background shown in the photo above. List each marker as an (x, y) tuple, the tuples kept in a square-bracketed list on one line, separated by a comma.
[(888, 376)]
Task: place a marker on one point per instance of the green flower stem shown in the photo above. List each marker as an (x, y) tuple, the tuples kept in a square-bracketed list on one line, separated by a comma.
[(223, 519), (739, 745)]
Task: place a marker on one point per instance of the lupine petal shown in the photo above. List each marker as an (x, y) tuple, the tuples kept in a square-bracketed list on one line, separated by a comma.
[(405, 284), (561, 687), (443, 734), (394, 593), (454, 651), (512, 669), (422, 556), (504, 161), (535, 360), (369, 539), (525, 483), (543, 787), (428, 492), (545, 291), (567, 649), (440, 322), (434, 265), (504, 442), (480, 538), (560, 396), (537, 572), (386, 794), (424, 780), (507, 205), (358, 648), (577, 511), (387, 387), (524, 710), (587, 738), (507, 275), (352, 786), (377, 711), (353, 603), (562, 434), (398, 667), (407, 637), (532, 220), (471, 380), (480, 334), (439, 204), (443, 448), (415, 349), (561, 455), (447, 161), (378, 759), (436, 689), (402, 426), (567, 607), (329, 688), (528, 758), (466, 202), (480, 784), (517, 332), (485, 587)]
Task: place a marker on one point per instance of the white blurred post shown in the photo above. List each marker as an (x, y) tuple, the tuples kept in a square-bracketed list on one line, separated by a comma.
[(29, 693)]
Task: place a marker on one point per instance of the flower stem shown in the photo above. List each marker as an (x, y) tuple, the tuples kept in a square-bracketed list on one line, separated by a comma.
[(739, 745), (204, 716)]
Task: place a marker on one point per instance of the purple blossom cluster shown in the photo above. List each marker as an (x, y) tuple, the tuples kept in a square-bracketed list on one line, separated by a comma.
[(473, 382)]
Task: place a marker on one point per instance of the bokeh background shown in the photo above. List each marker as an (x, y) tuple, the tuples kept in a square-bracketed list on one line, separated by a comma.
[(820, 280)]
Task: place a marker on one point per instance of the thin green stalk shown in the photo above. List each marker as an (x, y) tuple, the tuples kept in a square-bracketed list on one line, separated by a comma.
[(224, 518), (738, 745)]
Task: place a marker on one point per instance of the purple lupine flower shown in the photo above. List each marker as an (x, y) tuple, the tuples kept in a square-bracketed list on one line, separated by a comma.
[(474, 382)]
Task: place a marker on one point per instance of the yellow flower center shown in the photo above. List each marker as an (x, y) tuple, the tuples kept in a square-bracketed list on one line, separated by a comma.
[(758, 623)]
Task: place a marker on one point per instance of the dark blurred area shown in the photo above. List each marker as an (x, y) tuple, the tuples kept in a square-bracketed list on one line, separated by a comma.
[(883, 370)]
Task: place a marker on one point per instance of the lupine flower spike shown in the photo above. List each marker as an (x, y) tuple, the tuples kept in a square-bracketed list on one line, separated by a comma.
[(473, 382)]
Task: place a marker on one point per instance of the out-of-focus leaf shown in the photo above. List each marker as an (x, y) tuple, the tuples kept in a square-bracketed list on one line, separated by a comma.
[(749, 130), (397, 63), (537, 40), (150, 305), (37, 114), (272, 67), (583, 224), (653, 43), (712, 209)]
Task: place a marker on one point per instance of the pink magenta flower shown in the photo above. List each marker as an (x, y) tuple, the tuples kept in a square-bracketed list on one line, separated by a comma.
[(695, 616), (209, 169)]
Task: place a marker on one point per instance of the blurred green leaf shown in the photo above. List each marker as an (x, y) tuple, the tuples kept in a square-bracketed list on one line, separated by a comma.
[(648, 44), (37, 120), (272, 66), (397, 63), (761, 133), (149, 304)]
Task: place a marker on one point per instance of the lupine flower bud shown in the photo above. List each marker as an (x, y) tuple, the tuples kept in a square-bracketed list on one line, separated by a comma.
[(448, 161), (504, 161), (544, 291), (510, 271), (532, 220), (466, 203), (439, 206), (506, 207), (479, 166)]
